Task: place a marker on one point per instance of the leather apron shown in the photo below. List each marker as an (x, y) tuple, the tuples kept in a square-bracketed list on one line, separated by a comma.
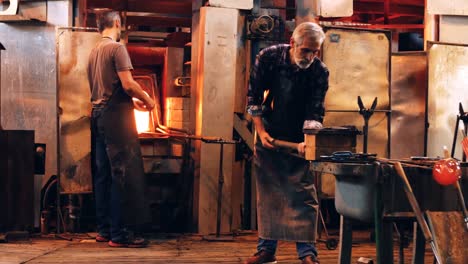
[(116, 122), (286, 197)]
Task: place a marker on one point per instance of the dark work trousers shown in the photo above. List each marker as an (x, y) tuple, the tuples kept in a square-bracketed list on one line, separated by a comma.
[(117, 169)]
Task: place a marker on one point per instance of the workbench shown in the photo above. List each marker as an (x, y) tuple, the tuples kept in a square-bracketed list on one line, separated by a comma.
[(372, 192)]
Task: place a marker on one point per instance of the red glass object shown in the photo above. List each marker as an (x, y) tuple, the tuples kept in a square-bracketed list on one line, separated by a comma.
[(446, 171)]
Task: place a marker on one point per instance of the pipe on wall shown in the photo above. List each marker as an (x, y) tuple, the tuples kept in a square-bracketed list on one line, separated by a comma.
[(143, 56)]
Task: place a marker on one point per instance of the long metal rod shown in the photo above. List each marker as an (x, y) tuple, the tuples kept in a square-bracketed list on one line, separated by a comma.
[(366, 134), (465, 124), (462, 201), (57, 101), (455, 135), (417, 211), (220, 191), (355, 111), (78, 28)]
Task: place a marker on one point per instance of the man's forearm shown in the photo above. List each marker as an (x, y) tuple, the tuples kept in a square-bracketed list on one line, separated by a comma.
[(258, 122), (135, 90)]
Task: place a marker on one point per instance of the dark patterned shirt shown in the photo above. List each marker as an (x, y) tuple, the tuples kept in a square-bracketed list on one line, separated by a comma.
[(294, 95)]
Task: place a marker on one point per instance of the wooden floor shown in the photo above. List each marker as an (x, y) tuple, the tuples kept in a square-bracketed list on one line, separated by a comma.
[(172, 249)]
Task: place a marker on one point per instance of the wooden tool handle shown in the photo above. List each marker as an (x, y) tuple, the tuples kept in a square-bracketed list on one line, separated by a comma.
[(413, 202), (284, 144)]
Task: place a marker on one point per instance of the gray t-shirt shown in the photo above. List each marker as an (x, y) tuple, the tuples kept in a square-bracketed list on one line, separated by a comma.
[(105, 60)]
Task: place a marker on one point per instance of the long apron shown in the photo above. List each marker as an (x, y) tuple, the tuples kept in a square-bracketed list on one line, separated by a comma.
[(116, 123), (286, 197)]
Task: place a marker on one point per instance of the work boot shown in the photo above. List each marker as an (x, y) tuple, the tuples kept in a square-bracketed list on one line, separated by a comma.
[(311, 259), (261, 257)]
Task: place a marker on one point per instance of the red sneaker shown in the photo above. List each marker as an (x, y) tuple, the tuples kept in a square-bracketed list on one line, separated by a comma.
[(100, 238), (131, 243)]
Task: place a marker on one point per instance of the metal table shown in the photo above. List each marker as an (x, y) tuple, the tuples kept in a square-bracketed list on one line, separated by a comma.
[(371, 192)]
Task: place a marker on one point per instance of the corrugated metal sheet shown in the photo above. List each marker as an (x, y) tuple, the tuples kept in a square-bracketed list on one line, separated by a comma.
[(444, 7), (73, 49), (448, 82), (409, 95), (359, 65)]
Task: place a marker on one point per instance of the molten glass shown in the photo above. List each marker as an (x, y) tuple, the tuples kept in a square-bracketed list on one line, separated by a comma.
[(142, 120), (446, 171)]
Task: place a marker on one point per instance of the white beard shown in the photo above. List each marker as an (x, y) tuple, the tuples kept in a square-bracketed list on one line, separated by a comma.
[(303, 64)]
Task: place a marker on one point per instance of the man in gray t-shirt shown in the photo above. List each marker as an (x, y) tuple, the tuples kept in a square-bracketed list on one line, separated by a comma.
[(118, 177)]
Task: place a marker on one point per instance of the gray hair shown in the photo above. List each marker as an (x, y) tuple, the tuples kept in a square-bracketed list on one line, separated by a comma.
[(106, 19), (309, 30)]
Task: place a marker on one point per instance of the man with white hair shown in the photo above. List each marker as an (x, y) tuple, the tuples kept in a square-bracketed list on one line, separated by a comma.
[(295, 82)]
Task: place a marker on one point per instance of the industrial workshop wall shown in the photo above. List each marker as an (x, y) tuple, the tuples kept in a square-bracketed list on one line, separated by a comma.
[(359, 65), (29, 78), (448, 81)]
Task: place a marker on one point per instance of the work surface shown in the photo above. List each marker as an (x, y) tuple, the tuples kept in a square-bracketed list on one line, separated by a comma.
[(174, 249)]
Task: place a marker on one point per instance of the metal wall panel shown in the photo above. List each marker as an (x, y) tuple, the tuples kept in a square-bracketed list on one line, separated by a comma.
[(409, 95), (239, 4), (444, 7), (359, 65), (29, 78), (448, 82), (335, 8), (74, 100), (29, 85), (453, 29)]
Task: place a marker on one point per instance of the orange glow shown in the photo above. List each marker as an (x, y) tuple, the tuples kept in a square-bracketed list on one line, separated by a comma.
[(142, 120)]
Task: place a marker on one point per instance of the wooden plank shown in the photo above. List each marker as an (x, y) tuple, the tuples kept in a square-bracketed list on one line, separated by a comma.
[(217, 53), (177, 249), (450, 236), (310, 147), (241, 72)]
